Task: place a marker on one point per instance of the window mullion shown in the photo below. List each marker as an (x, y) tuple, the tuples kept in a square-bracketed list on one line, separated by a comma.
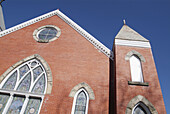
[(24, 105), (32, 85), (32, 80), (8, 104)]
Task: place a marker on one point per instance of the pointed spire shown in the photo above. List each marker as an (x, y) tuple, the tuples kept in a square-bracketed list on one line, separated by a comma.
[(126, 33)]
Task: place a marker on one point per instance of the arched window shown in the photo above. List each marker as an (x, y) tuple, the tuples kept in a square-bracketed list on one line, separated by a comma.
[(80, 103), (141, 108), (23, 89), (136, 69)]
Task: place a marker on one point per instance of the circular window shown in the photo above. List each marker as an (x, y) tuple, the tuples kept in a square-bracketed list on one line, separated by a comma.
[(46, 33)]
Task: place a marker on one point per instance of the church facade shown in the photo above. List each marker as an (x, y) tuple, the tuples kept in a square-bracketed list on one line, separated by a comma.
[(51, 65)]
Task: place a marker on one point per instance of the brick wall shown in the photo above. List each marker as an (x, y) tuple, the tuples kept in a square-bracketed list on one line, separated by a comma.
[(72, 60)]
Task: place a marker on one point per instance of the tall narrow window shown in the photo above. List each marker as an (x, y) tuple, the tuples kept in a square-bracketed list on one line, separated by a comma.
[(80, 103), (141, 108), (22, 91), (136, 69)]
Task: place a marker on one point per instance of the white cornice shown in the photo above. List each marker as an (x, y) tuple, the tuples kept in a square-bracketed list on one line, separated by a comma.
[(75, 26)]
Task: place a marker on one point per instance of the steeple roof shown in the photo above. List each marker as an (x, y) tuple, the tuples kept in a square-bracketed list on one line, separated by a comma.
[(126, 33)]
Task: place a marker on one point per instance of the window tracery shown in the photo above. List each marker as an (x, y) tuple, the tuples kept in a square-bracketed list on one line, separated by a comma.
[(23, 89)]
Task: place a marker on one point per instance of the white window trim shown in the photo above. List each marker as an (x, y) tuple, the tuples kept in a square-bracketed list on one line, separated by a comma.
[(25, 94), (75, 98)]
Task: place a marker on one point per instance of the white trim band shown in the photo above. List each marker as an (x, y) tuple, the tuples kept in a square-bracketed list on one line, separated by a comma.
[(132, 43)]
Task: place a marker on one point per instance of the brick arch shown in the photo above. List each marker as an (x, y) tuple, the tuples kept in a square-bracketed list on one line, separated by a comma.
[(84, 86), (43, 62), (138, 99), (133, 52)]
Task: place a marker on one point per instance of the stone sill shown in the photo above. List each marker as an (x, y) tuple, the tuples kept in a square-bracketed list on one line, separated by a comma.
[(138, 83)]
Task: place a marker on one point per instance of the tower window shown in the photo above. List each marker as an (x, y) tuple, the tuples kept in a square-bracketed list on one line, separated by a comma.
[(22, 91), (47, 33), (141, 108), (136, 69)]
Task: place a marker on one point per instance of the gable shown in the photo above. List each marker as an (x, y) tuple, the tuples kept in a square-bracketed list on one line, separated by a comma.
[(76, 27)]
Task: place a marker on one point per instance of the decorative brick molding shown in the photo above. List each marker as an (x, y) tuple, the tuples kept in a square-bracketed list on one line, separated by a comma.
[(44, 63), (36, 32), (138, 99), (129, 54), (86, 87)]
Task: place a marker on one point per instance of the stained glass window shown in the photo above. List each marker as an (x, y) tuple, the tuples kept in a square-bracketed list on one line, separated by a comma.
[(3, 100), (29, 77), (80, 104), (37, 71), (47, 33), (16, 105), (23, 70), (10, 83), (33, 106), (25, 83), (40, 85)]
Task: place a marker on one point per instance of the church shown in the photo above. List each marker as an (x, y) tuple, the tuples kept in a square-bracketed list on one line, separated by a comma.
[(51, 65)]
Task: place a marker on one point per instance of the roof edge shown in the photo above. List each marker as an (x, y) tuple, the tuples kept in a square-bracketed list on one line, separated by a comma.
[(102, 48), (27, 23), (86, 35)]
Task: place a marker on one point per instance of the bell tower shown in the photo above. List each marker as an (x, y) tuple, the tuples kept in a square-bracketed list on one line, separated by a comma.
[(136, 81), (2, 24)]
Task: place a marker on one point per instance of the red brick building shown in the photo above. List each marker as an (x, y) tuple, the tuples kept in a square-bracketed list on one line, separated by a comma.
[(51, 65)]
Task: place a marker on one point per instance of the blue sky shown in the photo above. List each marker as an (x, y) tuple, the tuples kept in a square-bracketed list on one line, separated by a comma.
[(103, 19)]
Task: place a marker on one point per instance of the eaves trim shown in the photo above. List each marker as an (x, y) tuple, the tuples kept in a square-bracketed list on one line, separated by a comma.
[(75, 26)]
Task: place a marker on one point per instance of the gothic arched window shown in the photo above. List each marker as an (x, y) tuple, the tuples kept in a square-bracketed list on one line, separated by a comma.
[(136, 69), (23, 89), (141, 108), (80, 103)]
